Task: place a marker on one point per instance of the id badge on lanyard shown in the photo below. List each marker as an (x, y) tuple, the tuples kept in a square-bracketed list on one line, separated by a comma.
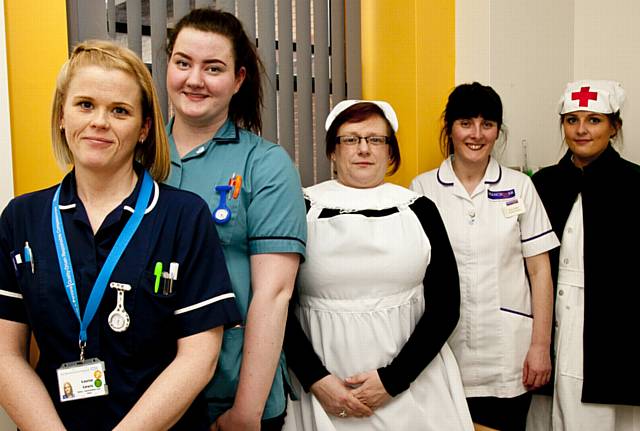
[(81, 379), (86, 377)]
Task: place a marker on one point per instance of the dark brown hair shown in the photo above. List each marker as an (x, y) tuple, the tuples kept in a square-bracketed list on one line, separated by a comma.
[(246, 105), (469, 101), (355, 114)]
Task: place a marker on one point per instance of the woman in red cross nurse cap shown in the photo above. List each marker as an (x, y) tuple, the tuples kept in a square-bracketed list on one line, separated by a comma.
[(591, 199)]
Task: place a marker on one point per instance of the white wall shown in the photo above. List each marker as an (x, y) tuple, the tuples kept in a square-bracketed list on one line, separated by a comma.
[(528, 52), (607, 46), (6, 173), (473, 41), (531, 62)]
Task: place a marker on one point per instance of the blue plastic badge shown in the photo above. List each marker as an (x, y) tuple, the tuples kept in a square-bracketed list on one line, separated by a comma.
[(222, 214)]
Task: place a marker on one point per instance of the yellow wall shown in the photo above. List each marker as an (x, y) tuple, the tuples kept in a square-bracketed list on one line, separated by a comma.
[(36, 48), (408, 59)]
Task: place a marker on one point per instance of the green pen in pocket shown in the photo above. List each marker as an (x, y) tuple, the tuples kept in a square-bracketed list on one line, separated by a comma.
[(157, 271)]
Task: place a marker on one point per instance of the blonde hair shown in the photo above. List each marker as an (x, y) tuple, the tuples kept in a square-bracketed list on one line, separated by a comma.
[(153, 153)]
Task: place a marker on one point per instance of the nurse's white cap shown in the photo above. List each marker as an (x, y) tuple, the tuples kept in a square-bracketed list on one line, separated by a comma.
[(603, 97), (386, 108)]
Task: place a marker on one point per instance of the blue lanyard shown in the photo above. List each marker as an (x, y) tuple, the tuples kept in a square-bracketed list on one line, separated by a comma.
[(64, 258)]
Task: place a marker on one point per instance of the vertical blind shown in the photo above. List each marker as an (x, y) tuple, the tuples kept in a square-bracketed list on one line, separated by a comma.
[(310, 50)]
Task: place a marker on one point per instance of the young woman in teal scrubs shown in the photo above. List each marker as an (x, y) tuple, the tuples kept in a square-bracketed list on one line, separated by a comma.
[(254, 194)]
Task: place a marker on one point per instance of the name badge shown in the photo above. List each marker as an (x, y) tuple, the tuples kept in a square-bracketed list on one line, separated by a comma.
[(78, 380), (513, 208), (501, 194)]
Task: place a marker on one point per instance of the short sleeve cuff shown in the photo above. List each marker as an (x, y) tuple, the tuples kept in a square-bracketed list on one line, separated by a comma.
[(12, 307), (276, 245), (540, 243), (217, 311)]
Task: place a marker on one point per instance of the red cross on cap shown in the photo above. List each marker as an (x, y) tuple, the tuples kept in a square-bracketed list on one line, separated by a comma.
[(584, 95)]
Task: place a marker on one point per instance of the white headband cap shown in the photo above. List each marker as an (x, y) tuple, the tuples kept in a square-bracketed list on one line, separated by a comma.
[(388, 111), (603, 97)]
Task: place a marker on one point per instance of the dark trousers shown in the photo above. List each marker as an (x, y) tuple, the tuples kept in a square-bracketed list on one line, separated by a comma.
[(504, 414), (273, 424)]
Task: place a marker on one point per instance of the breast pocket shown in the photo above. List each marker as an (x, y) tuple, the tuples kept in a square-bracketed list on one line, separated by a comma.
[(50, 312), (235, 228), (152, 314), (44, 294)]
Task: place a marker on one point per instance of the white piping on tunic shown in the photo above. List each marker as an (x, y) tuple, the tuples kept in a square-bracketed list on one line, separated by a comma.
[(156, 193), (204, 303), (10, 294)]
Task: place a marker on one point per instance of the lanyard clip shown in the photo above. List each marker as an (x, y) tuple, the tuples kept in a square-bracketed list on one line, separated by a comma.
[(82, 345)]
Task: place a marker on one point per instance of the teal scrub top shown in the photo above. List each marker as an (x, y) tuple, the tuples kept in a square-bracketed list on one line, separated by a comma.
[(267, 216)]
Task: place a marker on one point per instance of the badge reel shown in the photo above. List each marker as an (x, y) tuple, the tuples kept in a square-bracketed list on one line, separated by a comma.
[(222, 214)]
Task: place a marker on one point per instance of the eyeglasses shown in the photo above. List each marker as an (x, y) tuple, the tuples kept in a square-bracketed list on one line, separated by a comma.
[(355, 140)]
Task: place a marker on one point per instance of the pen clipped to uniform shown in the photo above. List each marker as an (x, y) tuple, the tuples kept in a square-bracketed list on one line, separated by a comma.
[(173, 273), (28, 256), (157, 272), (169, 278)]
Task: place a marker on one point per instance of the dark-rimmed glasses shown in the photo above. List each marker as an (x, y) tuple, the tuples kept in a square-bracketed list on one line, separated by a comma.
[(355, 140)]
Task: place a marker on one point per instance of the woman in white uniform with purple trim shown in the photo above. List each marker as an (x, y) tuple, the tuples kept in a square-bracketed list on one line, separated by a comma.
[(500, 235)]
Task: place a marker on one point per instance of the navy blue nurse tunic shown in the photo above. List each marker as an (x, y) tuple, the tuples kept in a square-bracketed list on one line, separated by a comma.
[(177, 227)]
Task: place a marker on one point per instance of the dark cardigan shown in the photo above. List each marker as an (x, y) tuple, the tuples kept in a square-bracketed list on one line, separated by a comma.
[(610, 187)]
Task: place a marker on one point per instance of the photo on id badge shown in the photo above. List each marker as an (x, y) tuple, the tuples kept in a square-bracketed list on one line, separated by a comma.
[(78, 380)]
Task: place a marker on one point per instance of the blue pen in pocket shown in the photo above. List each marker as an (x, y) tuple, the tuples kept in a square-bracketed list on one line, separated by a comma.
[(28, 256)]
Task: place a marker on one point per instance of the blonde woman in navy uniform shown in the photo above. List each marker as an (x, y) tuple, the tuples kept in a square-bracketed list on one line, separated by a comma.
[(590, 196), (121, 279), (501, 236)]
